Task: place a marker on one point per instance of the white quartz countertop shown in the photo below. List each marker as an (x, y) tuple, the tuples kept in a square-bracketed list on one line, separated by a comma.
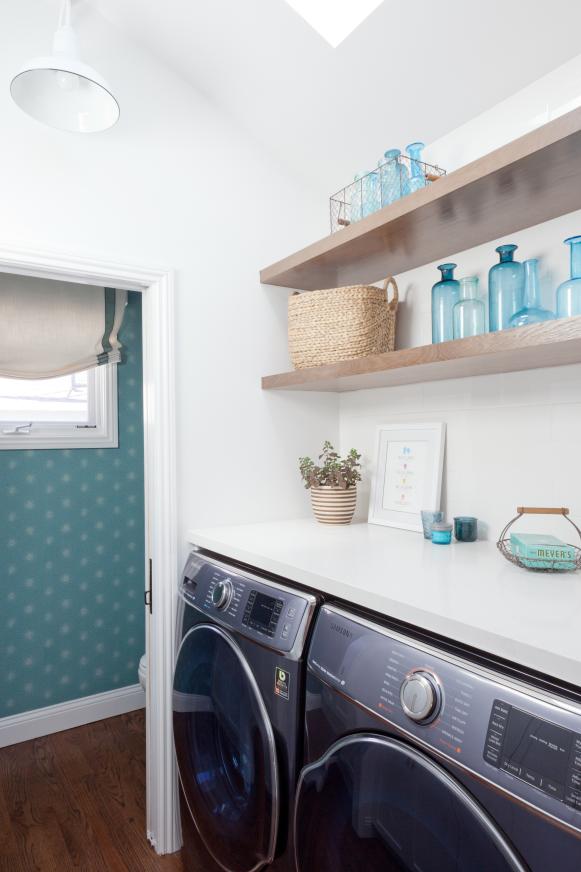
[(465, 591)]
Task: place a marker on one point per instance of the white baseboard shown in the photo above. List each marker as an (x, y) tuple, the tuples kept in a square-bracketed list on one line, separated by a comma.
[(66, 715)]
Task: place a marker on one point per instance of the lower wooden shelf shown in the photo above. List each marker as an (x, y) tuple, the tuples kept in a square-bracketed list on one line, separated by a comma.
[(553, 343)]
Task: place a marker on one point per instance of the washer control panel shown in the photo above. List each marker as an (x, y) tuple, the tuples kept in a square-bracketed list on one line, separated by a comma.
[(260, 609), (523, 741), (539, 752)]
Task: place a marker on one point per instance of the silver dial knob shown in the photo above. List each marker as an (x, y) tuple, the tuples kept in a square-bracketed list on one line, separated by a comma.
[(421, 697), (222, 594)]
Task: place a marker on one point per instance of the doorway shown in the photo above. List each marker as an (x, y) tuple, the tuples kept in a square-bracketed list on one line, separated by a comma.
[(156, 289)]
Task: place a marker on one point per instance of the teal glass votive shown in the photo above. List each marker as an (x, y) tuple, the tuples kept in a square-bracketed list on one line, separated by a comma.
[(441, 533), (429, 518), (466, 529)]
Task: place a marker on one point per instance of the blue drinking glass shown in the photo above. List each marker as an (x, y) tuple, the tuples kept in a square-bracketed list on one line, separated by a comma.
[(532, 312), (569, 292), (428, 518), (445, 295), (506, 281)]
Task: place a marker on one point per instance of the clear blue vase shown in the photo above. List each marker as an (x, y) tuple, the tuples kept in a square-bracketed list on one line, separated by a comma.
[(532, 312), (506, 281), (418, 179), (569, 293), (469, 311), (445, 295), (371, 193), (390, 174)]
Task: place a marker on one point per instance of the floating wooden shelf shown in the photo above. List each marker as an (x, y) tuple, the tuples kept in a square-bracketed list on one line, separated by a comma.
[(553, 343), (530, 180)]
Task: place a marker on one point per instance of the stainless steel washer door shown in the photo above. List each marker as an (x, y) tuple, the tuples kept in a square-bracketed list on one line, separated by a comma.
[(373, 803), (225, 751)]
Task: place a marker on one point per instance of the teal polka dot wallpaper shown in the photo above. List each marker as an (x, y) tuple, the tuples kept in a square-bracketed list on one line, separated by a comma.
[(72, 555)]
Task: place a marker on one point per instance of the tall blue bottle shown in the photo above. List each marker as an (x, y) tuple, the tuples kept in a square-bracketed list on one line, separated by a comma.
[(506, 281), (445, 295), (569, 292)]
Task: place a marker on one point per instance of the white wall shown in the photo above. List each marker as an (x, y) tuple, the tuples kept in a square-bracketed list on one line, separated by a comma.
[(541, 101), (175, 184), (513, 439)]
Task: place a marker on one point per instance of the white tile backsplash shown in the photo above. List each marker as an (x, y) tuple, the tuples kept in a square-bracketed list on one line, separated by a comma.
[(512, 439)]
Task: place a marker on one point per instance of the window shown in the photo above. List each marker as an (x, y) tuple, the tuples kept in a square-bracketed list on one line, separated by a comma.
[(72, 411), (334, 20)]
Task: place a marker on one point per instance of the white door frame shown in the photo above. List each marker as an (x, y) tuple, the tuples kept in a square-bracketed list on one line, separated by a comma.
[(156, 285)]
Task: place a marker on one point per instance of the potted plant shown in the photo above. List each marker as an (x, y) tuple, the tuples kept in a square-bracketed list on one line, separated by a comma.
[(333, 484)]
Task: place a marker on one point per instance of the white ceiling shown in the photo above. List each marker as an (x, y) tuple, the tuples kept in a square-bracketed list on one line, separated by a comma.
[(410, 71)]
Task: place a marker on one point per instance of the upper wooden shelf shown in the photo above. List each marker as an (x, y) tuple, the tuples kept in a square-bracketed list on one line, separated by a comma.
[(553, 343), (530, 180)]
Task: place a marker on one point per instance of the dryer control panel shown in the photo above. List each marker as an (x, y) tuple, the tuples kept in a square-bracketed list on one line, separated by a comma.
[(522, 740), (274, 615)]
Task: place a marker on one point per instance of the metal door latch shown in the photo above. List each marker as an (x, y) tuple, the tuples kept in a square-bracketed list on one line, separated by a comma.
[(19, 430)]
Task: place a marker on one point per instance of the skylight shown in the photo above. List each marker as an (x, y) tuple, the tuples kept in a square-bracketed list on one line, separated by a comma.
[(334, 20)]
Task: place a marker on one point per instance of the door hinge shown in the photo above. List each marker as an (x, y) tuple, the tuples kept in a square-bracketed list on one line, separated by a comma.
[(148, 595)]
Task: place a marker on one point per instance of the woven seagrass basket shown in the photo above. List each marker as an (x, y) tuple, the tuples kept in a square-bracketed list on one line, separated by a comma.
[(341, 324)]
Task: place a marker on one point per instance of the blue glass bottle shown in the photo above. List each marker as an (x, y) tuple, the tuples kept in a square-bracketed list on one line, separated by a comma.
[(506, 281), (469, 311), (405, 179), (532, 312), (445, 295), (569, 292), (418, 179), (371, 193), (390, 176)]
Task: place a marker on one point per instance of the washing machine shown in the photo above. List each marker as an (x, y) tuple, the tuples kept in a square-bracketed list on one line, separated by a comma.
[(238, 709), (420, 756)]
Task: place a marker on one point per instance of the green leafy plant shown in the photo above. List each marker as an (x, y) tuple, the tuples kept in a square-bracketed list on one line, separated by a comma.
[(332, 470)]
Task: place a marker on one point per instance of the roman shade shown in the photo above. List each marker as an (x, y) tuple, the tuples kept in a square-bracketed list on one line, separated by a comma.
[(49, 329)]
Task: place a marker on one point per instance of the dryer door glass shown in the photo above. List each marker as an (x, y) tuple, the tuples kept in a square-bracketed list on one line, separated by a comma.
[(372, 803), (225, 751)]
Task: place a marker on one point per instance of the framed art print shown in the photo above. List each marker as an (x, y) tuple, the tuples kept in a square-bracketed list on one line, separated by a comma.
[(407, 474)]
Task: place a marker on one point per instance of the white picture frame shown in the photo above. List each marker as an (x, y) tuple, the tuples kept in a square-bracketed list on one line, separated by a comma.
[(407, 474)]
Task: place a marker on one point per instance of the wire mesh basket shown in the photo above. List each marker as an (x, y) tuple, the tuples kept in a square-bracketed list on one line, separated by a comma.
[(391, 180), (541, 564)]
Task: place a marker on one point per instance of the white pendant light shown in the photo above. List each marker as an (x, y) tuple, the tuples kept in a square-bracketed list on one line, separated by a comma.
[(63, 92)]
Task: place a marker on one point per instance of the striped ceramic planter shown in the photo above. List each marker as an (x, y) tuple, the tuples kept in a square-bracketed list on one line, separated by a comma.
[(333, 505)]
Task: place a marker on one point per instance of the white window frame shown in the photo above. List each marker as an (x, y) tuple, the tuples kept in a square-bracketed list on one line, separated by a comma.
[(54, 435)]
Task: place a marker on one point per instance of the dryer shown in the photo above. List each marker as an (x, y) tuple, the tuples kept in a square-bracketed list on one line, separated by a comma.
[(237, 713), (421, 758)]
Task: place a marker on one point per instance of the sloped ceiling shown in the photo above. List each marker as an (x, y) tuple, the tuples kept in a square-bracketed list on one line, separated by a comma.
[(411, 71)]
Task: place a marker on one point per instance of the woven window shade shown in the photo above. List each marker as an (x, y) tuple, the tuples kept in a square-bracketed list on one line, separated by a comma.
[(48, 329)]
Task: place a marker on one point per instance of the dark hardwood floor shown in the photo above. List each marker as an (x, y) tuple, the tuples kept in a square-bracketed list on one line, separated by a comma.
[(76, 801)]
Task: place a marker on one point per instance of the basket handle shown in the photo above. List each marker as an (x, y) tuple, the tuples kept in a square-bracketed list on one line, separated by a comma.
[(535, 510), (391, 281), (538, 510)]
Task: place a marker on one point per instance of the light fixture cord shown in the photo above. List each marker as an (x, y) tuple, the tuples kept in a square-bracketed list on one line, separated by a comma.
[(65, 16)]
